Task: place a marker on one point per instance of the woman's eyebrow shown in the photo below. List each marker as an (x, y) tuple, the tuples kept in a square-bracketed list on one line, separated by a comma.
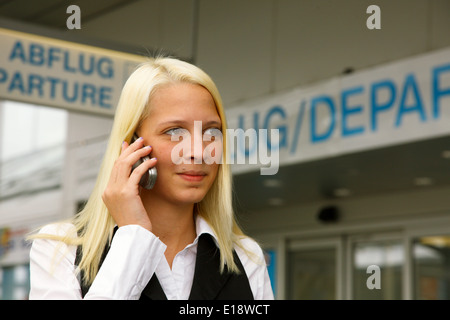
[(207, 123), (212, 123), (172, 122)]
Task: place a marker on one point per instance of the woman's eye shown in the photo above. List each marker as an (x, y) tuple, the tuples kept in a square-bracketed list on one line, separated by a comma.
[(213, 133), (177, 132)]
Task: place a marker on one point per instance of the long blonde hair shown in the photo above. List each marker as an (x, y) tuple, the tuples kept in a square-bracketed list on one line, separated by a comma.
[(94, 224)]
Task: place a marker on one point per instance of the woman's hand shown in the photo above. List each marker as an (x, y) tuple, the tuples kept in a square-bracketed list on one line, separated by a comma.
[(121, 195)]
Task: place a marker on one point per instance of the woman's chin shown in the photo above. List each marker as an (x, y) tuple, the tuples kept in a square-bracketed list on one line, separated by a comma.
[(190, 197)]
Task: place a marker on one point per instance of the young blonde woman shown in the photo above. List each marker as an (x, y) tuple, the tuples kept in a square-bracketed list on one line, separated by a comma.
[(177, 240)]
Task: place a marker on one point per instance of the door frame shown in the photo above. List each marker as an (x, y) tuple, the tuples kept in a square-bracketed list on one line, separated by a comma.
[(374, 235), (336, 243)]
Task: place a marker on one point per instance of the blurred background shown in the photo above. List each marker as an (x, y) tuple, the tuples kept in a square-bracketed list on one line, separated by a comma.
[(360, 95)]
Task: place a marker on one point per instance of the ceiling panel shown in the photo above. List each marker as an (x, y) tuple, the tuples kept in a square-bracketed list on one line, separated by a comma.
[(423, 164), (52, 13)]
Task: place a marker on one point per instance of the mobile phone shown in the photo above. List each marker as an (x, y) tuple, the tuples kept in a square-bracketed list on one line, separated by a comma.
[(148, 179)]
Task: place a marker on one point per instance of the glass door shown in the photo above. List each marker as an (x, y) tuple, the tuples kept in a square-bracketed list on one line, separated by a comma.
[(376, 268), (431, 263), (313, 270)]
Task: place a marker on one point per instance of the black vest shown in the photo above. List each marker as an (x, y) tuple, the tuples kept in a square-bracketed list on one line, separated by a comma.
[(208, 282)]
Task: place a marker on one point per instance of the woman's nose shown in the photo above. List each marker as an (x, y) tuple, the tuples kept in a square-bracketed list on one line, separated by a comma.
[(197, 143)]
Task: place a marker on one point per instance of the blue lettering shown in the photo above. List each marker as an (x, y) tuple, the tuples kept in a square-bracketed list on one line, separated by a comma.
[(87, 92), (416, 106), (18, 52), (53, 55), (16, 83), (438, 93), (105, 68), (67, 67), (328, 102), (3, 75), (377, 106), (53, 82), (82, 66), (74, 96), (347, 111), (36, 54), (298, 125), (104, 96), (283, 129), (35, 82)]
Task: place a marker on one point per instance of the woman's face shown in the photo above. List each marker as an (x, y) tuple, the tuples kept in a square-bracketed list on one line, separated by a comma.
[(181, 117)]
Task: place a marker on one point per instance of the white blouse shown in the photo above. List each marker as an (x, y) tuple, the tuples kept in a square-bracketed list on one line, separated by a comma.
[(134, 256)]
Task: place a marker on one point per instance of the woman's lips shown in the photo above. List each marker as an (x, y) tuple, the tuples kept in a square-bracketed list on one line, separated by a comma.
[(192, 175)]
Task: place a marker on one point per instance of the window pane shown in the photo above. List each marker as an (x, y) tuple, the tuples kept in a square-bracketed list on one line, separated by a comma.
[(36, 127), (15, 282), (432, 267), (32, 148), (388, 256), (312, 274)]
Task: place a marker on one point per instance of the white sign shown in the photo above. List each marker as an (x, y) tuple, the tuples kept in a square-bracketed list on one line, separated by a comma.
[(58, 73), (395, 103)]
